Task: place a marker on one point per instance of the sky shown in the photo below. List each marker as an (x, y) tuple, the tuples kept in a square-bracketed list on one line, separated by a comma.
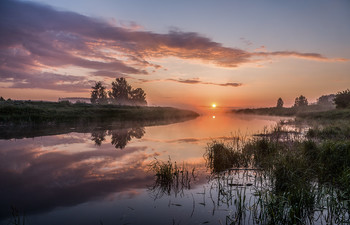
[(188, 54)]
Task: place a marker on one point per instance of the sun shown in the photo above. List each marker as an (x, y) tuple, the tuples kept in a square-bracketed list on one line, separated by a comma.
[(213, 105)]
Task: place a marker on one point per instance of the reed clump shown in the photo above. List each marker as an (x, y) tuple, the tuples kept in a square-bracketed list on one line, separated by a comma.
[(306, 179), (170, 177)]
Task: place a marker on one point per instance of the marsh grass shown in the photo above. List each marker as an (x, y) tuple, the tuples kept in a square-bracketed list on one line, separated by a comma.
[(170, 178), (330, 132), (221, 155), (303, 180), (17, 217)]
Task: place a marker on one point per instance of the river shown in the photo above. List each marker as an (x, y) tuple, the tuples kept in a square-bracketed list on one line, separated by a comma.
[(100, 174)]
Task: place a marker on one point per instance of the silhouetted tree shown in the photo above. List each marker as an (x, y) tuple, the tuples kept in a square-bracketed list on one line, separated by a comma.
[(98, 136), (120, 92), (138, 96), (98, 94), (342, 99), (300, 101), (326, 100), (123, 94), (2, 99), (121, 137), (280, 103)]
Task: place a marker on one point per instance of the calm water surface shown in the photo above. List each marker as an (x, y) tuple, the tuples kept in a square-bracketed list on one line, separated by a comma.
[(99, 173)]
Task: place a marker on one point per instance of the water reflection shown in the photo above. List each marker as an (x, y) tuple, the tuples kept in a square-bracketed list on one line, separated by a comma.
[(37, 178), (119, 137), (66, 169), (74, 169), (19, 131)]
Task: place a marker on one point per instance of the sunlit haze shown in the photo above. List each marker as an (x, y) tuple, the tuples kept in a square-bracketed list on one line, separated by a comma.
[(186, 54)]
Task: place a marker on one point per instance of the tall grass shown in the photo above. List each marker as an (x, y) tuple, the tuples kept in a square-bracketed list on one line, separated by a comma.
[(304, 180), (170, 178)]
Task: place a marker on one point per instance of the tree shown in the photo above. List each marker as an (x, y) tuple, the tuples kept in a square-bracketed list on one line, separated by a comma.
[(122, 93), (98, 94), (138, 96), (342, 99), (280, 103), (300, 101), (326, 100), (2, 99)]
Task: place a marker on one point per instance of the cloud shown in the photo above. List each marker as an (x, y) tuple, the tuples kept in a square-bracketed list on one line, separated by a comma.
[(37, 38), (197, 81), (312, 56), (193, 81), (111, 74), (44, 80), (187, 81)]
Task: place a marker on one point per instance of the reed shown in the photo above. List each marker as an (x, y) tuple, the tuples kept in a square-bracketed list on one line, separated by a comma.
[(302, 180), (170, 178)]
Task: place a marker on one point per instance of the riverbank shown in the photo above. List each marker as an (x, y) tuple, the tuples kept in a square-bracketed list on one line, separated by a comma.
[(312, 112), (29, 112)]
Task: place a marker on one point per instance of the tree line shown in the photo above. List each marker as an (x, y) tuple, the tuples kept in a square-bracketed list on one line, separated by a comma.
[(121, 93), (340, 100)]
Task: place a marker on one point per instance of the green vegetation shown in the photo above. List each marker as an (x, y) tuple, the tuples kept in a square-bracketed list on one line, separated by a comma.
[(334, 114), (29, 112), (280, 103), (326, 100), (304, 179), (121, 94), (301, 101), (323, 109), (282, 111), (98, 94), (169, 177), (342, 99)]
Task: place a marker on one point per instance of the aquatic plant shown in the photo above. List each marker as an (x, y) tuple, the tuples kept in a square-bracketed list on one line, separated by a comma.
[(301, 180), (170, 178)]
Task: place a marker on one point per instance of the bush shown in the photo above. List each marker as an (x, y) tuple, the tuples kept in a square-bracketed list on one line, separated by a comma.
[(342, 99)]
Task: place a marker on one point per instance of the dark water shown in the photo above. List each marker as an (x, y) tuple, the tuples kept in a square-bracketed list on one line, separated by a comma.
[(99, 173)]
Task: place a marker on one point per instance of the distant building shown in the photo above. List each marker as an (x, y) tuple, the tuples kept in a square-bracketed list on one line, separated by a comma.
[(75, 100)]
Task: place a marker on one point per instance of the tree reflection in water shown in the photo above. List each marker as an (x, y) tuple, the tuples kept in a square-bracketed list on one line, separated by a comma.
[(119, 137), (98, 136)]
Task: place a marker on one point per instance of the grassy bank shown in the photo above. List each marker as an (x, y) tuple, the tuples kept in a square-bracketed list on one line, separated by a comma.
[(311, 112), (27, 112), (292, 111), (329, 115)]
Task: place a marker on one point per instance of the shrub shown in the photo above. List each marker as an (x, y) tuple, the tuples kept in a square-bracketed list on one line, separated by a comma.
[(342, 99)]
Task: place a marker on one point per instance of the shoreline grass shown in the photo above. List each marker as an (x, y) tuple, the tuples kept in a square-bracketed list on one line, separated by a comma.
[(29, 112), (170, 178), (311, 112), (285, 111), (307, 179)]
